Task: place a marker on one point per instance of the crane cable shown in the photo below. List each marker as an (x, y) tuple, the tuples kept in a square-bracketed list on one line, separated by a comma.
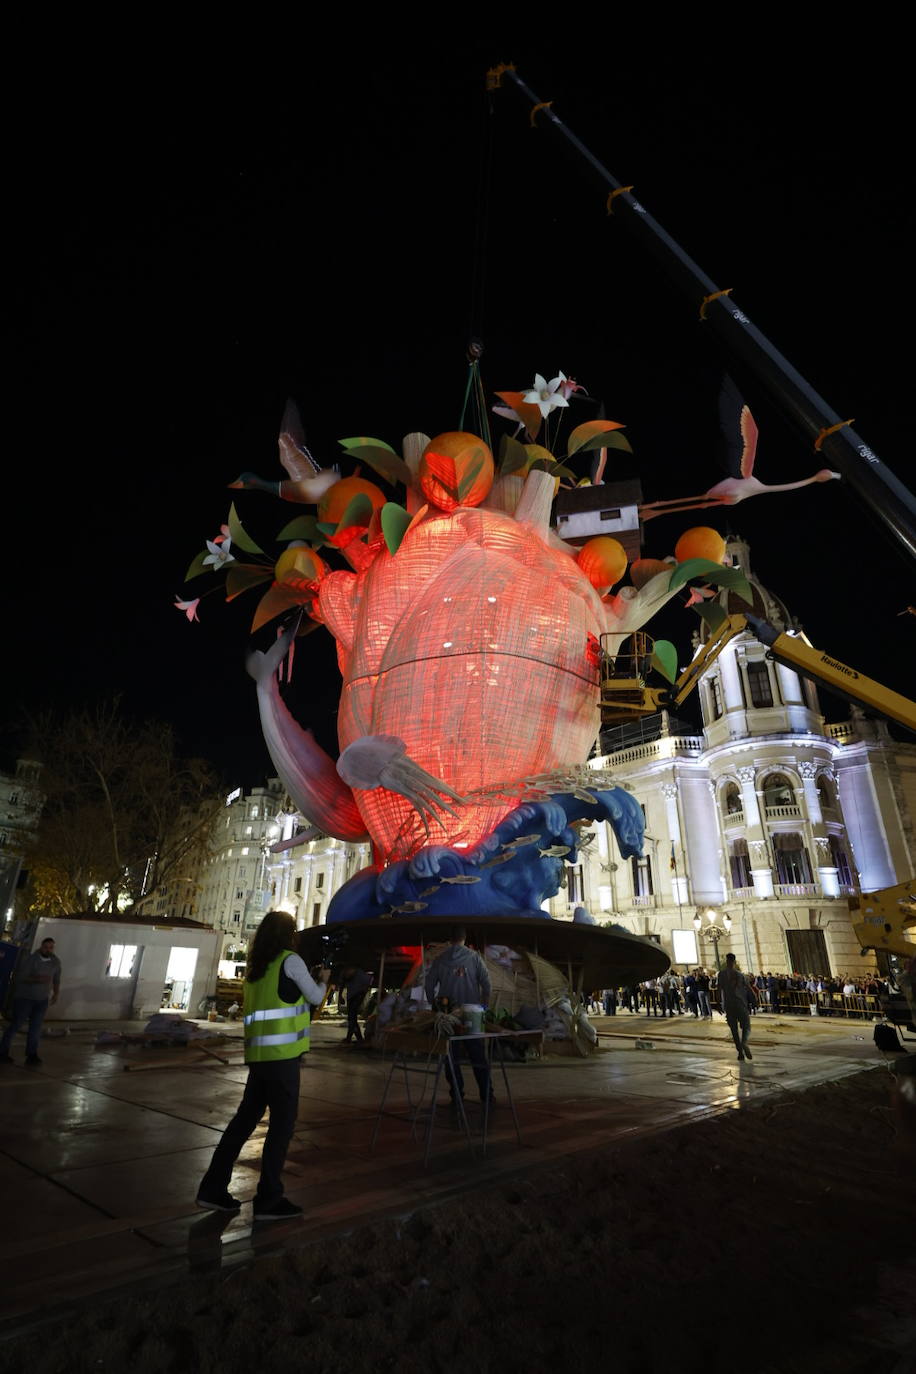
[(474, 407)]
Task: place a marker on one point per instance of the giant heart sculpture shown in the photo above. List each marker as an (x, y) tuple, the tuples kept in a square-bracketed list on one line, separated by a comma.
[(470, 640), (474, 644), (469, 652)]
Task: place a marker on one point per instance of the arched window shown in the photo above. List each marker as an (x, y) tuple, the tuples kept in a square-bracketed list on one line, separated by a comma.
[(777, 791), (758, 680), (792, 862), (841, 863), (826, 795), (643, 889), (715, 697), (739, 864), (731, 799)]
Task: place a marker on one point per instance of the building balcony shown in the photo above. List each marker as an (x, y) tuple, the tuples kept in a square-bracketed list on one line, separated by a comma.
[(741, 894), (733, 818), (783, 813), (797, 890), (647, 901)]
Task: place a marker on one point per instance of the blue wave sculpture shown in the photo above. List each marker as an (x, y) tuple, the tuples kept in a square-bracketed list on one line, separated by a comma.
[(510, 873)]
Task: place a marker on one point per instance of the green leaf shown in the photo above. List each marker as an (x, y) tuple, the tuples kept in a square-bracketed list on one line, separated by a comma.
[(664, 659), (704, 570), (358, 512), (611, 440), (238, 534), (558, 470), (303, 527), (274, 601), (240, 577), (594, 434), (363, 442), (512, 456), (197, 566), (326, 527), (712, 613), (395, 524), (388, 465), (467, 480), (735, 580), (693, 568)]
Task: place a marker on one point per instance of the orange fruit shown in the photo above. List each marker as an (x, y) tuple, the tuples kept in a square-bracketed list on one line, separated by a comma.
[(336, 499), (298, 566), (603, 560), (456, 470), (700, 542), (644, 569)]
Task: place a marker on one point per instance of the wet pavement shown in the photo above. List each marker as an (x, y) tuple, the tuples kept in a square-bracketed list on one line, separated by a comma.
[(102, 1147)]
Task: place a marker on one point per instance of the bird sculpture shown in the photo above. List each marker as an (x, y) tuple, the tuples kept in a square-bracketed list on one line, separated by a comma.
[(740, 434), (307, 482)]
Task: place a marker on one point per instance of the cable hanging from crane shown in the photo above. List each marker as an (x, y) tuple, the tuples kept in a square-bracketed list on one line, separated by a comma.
[(889, 500)]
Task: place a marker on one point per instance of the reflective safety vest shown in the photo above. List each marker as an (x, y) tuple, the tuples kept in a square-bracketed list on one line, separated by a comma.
[(274, 1029)]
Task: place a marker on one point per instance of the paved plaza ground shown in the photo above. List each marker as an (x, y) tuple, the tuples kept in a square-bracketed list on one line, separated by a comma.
[(102, 1148)]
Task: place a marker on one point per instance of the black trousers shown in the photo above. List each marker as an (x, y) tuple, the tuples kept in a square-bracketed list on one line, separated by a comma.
[(272, 1087), (474, 1051), (353, 1006)]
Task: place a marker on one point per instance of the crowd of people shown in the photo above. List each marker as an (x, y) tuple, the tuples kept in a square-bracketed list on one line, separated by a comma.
[(696, 993)]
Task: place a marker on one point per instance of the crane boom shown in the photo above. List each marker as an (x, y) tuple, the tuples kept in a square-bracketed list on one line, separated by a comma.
[(887, 498)]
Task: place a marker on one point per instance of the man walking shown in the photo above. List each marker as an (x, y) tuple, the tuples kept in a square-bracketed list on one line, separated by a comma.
[(356, 982), (459, 976), (734, 993), (36, 988)]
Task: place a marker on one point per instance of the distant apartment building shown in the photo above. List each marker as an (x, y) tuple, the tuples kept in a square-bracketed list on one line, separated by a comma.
[(234, 891)]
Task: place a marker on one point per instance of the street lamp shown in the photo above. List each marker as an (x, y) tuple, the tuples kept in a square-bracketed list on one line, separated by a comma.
[(712, 931)]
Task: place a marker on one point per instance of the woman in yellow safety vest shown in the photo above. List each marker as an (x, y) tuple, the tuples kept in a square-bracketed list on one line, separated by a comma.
[(278, 991)]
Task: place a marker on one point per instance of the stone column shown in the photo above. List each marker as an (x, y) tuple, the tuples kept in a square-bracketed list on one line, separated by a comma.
[(761, 872), (678, 878), (826, 874)]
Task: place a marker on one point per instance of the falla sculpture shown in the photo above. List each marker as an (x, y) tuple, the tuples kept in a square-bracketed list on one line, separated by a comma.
[(469, 639)]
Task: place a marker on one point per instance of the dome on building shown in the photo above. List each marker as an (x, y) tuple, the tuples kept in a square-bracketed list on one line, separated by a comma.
[(765, 604)]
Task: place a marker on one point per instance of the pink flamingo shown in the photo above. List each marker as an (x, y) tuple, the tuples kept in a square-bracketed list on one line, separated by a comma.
[(731, 490)]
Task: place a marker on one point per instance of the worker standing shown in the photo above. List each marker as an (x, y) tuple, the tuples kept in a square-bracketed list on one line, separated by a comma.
[(278, 991), (37, 987)]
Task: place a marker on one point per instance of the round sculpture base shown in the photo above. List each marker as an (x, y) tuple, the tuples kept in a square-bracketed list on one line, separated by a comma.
[(593, 956)]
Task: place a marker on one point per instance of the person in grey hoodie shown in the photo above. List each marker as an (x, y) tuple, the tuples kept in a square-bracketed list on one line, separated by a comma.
[(36, 988), (734, 992), (460, 976)]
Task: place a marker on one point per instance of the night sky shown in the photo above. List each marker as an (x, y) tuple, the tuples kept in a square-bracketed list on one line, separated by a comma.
[(181, 265)]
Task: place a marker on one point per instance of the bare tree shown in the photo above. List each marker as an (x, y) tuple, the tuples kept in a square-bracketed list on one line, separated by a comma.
[(124, 811)]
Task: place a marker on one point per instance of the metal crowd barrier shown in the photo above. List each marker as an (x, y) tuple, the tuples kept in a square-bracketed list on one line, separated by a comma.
[(798, 1002)]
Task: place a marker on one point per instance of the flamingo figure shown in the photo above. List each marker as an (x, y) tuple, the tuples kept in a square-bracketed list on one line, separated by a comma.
[(306, 483), (742, 450)]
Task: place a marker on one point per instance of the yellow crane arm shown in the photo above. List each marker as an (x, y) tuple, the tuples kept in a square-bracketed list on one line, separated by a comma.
[(886, 916), (839, 677), (623, 696)]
